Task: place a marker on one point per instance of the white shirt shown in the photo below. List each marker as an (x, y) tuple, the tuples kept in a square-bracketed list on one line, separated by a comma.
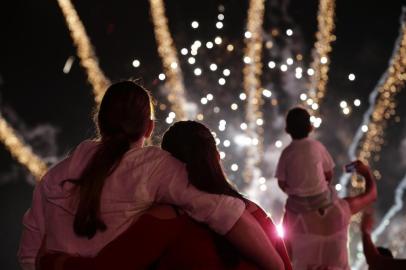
[(144, 176), (320, 241), (302, 165)]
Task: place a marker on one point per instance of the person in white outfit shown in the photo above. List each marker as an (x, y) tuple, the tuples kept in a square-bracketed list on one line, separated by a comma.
[(89, 198)]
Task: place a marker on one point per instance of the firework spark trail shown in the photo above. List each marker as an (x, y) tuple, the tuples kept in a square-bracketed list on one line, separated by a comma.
[(352, 150), (322, 49), (167, 52), (393, 210), (20, 151), (85, 50), (252, 83), (382, 105)]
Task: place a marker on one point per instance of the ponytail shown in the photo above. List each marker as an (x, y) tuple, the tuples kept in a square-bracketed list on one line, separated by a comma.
[(123, 118)]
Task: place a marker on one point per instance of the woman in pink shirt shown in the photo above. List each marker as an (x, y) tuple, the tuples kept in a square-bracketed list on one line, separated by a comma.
[(96, 193)]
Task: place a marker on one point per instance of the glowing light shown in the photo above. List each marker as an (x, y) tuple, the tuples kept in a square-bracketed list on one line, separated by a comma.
[(303, 96), (213, 67), (203, 101), (338, 187), (222, 81), (289, 61), (184, 51), (194, 24), (278, 144), (364, 128), (260, 121), (263, 187), (243, 96), (298, 70), (247, 60), (280, 231), (220, 17), (172, 115), (174, 65), (247, 34), (243, 126), (351, 77), (169, 120), (161, 76), (346, 110), (191, 60), (315, 106), (323, 60), (222, 155), (284, 67), (234, 167), (209, 97), (266, 93), (230, 47), (200, 117), (219, 25), (298, 75), (310, 71), (197, 71), (20, 151), (226, 143), (209, 45), (68, 64), (357, 102), (343, 104), (289, 32), (234, 106), (271, 64), (226, 72), (84, 50), (218, 40)]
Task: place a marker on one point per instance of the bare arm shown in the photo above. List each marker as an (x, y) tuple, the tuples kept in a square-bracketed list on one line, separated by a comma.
[(359, 202), (248, 236)]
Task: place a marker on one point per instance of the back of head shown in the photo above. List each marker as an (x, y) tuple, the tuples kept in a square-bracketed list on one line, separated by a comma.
[(385, 252), (298, 123), (123, 118), (192, 143)]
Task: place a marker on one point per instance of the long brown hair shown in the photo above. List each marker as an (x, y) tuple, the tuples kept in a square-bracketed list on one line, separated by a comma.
[(123, 118), (193, 144)]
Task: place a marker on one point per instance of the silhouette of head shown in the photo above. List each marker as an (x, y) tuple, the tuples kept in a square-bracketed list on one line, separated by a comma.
[(298, 123)]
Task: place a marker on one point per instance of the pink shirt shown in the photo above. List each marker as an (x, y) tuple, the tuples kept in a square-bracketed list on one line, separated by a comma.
[(302, 165), (144, 176)]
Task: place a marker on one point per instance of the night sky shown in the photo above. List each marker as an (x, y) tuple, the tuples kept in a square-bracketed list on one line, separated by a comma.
[(53, 110)]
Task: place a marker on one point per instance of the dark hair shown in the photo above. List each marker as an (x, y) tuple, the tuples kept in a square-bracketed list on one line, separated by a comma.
[(298, 123), (386, 252), (192, 143), (122, 119)]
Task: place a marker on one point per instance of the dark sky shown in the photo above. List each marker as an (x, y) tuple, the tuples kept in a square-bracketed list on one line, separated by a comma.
[(53, 110)]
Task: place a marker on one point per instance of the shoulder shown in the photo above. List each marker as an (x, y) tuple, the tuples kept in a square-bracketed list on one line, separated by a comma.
[(161, 156)]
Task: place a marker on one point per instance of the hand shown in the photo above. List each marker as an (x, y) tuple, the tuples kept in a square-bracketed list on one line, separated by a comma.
[(361, 168), (367, 223)]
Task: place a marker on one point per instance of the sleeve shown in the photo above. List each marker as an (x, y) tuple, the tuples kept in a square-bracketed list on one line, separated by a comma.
[(172, 186), (328, 162), (33, 231), (280, 169)]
